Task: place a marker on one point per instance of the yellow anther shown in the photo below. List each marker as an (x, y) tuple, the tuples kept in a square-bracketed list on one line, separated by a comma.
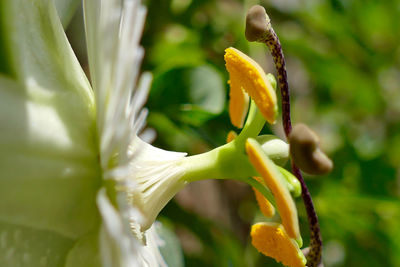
[(275, 182), (265, 206), (245, 73), (238, 103), (231, 136), (271, 240)]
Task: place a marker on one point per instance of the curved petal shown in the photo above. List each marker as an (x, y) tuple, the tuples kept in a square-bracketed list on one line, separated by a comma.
[(40, 53), (113, 31), (118, 246), (66, 10), (151, 179), (26, 246), (49, 172)]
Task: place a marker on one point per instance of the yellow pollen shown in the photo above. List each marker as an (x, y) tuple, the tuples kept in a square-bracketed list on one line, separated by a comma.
[(265, 206), (231, 136), (238, 104), (245, 73), (271, 240), (274, 180)]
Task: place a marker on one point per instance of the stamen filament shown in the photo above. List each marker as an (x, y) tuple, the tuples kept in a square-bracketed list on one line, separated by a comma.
[(253, 126)]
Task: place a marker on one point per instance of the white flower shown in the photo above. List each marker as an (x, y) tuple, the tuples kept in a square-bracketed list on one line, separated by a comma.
[(145, 177), (149, 176), (155, 177), (67, 152), (117, 246)]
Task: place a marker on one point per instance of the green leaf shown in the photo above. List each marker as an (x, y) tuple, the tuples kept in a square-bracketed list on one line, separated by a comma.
[(194, 94), (206, 89), (171, 250), (194, 115), (206, 93), (176, 46)]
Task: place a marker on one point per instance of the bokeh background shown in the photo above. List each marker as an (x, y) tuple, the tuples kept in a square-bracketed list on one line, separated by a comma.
[(343, 62)]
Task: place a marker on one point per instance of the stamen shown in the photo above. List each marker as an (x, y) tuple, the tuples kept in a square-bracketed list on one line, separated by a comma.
[(245, 73), (238, 103), (265, 206), (272, 240), (274, 180), (231, 136), (258, 28)]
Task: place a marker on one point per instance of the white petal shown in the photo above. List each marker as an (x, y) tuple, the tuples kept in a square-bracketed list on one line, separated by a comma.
[(113, 30), (118, 246), (41, 52), (49, 173), (156, 177), (152, 254)]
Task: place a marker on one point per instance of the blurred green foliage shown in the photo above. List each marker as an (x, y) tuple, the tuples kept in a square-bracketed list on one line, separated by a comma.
[(343, 62)]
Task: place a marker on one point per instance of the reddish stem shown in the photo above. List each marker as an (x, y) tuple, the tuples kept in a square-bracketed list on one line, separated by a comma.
[(272, 41)]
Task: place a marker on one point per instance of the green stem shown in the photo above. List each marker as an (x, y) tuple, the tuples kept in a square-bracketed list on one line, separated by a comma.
[(253, 126), (225, 162)]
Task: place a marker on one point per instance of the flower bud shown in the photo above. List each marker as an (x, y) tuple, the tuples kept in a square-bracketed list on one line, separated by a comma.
[(256, 23), (305, 151)]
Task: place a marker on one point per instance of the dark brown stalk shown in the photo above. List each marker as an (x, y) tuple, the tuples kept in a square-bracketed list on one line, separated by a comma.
[(258, 28), (314, 255)]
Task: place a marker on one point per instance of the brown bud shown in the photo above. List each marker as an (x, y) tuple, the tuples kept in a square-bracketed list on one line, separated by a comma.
[(305, 151), (256, 23)]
